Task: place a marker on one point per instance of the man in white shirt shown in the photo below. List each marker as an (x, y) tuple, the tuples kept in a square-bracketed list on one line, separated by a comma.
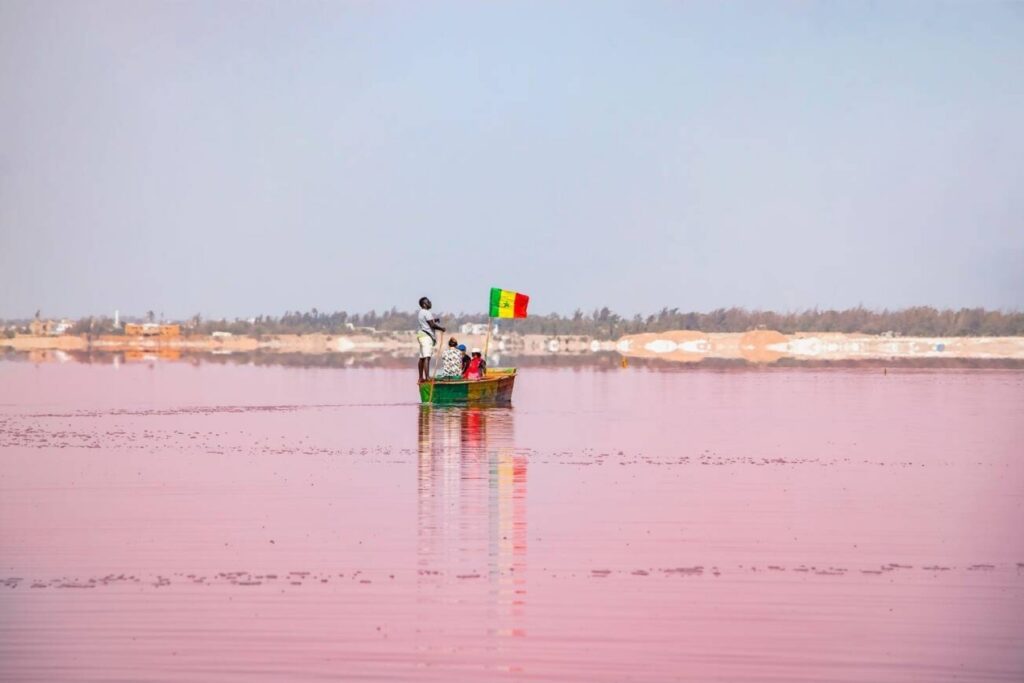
[(426, 335)]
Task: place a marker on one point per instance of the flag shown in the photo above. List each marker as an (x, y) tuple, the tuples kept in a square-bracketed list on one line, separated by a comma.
[(506, 304)]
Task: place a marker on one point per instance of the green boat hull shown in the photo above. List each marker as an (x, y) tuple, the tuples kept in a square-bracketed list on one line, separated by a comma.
[(494, 389)]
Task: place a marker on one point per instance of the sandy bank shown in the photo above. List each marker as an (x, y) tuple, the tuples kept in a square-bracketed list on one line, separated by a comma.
[(684, 346), (766, 346)]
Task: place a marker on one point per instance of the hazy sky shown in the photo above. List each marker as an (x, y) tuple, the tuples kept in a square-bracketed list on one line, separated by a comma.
[(233, 158)]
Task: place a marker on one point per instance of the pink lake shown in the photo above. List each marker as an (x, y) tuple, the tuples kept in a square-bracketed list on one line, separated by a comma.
[(179, 522)]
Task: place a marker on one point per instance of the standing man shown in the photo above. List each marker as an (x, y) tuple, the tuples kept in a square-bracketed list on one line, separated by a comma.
[(426, 336)]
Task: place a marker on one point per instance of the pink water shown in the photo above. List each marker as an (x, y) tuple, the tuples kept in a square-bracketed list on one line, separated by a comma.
[(167, 522)]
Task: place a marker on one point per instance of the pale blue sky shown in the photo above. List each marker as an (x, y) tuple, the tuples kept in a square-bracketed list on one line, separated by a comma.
[(234, 158)]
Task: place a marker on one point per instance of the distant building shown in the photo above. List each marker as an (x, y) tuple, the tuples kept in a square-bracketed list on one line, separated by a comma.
[(49, 328), (478, 329)]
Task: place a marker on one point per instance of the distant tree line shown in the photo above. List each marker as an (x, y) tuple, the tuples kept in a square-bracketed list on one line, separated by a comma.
[(605, 324)]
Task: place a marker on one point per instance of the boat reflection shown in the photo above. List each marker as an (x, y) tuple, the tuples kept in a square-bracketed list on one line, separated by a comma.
[(472, 510)]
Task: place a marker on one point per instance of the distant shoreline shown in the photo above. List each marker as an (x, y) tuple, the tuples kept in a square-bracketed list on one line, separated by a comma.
[(678, 346)]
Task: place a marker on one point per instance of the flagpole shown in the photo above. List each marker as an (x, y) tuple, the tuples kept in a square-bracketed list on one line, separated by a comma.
[(487, 342)]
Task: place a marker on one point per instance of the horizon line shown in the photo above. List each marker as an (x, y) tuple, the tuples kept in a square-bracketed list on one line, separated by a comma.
[(393, 310)]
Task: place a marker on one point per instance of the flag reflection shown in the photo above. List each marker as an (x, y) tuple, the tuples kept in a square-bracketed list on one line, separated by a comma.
[(472, 510)]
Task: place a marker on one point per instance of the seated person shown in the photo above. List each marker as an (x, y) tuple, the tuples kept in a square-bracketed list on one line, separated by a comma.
[(465, 358), (451, 362), (477, 366)]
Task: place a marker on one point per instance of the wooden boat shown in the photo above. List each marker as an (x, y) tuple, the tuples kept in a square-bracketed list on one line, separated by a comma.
[(494, 389)]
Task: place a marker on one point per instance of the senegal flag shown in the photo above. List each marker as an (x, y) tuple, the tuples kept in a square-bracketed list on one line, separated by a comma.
[(506, 304)]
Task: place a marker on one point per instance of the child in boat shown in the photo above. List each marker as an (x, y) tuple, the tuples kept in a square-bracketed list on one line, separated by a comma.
[(477, 366), (451, 362), (465, 358)]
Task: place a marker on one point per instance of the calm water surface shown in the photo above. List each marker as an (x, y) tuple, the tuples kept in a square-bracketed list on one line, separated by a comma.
[(167, 522)]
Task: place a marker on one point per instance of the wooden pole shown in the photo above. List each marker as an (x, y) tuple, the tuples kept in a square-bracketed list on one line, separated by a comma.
[(433, 375)]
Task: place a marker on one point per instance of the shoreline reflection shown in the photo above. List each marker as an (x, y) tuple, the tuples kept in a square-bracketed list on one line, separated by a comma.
[(599, 360)]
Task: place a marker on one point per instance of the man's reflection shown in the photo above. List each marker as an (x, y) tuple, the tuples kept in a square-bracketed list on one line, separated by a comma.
[(472, 508)]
